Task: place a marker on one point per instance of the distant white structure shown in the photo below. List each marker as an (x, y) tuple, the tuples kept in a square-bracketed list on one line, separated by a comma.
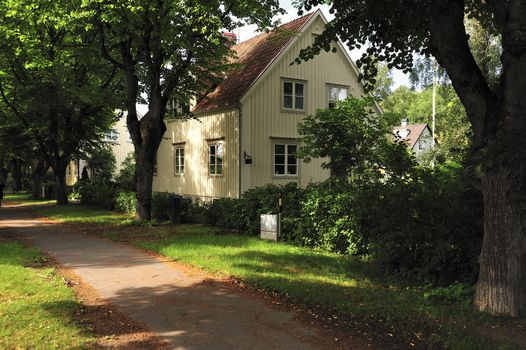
[(120, 141), (417, 136)]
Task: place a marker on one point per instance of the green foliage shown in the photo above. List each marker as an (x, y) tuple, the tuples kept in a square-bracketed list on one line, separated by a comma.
[(126, 177), (350, 135), (161, 206), (126, 202), (383, 81), (326, 220), (243, 214), (428, 226), (456, 293), (453, 130), (98, 193), (57, 91), (101, 162)]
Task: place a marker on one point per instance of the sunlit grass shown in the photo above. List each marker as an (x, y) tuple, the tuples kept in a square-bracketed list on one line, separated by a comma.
[(24, 200), (76, 213), (36, 308)]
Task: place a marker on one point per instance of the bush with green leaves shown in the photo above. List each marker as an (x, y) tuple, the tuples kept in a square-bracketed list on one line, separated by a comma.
[(243, 214), (98, 193), (101, 163), (126, 177), (126, 202), (161, 206)]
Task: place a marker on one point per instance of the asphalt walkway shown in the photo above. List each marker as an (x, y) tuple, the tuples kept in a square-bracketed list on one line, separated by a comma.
[(178, 305)]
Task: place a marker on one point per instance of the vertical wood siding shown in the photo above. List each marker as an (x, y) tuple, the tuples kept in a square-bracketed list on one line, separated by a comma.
[(121, 147), (196, 135), (263, 120)]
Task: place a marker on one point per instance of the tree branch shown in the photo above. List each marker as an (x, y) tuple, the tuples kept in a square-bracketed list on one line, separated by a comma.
[(449, 44)]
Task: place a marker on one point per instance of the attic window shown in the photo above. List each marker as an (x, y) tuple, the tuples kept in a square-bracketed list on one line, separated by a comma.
[(337, 93), (293, 95)]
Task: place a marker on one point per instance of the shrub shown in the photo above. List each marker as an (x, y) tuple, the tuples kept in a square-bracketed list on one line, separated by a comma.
[(243, 214), (428, 226), (126, 177), (98, 193), (326, 220), (101, 162), (126, 202), (161, 206)]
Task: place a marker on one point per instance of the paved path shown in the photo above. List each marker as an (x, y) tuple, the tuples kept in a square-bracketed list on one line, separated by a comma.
[(180, 307)]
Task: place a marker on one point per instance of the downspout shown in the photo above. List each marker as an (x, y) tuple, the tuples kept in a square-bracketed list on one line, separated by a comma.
[(240, 156)]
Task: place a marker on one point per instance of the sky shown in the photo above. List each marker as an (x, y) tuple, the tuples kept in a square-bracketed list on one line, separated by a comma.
[(248, 32)]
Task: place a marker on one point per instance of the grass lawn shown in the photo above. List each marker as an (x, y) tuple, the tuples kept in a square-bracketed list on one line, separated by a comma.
[(23, 200), (36, 308), (82, 214), (357, 290)]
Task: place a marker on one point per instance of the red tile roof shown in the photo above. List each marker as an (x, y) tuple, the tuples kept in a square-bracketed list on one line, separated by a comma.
[(415, 130), (253, 57)]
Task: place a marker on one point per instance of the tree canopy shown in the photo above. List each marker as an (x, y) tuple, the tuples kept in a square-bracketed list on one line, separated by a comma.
[(54, 85), (168, 50)]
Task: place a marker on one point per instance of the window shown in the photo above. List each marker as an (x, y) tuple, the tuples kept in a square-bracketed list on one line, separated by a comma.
[(293, 95), (155, 165), (177, 108), (179, 160), (128, 137), (337, 93), (285, 161), (215, 159), (69, 170), (111, 136)]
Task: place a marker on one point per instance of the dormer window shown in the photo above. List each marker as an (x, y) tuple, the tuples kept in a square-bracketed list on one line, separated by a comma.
[(293, 95)]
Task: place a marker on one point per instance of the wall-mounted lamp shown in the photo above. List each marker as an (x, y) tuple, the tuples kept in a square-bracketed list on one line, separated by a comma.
[(247, 158)]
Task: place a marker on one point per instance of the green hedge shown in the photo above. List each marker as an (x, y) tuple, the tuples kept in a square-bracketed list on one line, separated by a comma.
[(426, 226)]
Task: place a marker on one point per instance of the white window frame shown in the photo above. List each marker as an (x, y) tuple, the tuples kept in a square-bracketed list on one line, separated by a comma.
[(179, 168), (219, 153), (111, 136), (286, 144), (294, 96), (335, 86)]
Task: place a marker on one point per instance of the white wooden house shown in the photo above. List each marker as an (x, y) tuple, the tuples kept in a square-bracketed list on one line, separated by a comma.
[(246, 133)]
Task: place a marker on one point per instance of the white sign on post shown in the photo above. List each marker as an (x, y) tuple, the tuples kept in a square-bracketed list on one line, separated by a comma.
[(269, 227)]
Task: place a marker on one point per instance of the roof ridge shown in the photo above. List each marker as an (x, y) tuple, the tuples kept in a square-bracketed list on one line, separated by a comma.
[(254, 57), (276, 28)]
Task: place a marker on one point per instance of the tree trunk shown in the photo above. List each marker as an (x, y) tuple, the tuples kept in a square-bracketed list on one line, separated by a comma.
[(144, 175), (16, 172), (38, 174), (59, 170), (502, 277)]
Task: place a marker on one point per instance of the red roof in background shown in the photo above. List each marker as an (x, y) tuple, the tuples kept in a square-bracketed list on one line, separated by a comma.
[(415, 130), (254, 56)]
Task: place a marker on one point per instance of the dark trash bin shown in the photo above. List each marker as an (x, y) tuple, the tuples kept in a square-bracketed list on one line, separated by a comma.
[(175, 208)]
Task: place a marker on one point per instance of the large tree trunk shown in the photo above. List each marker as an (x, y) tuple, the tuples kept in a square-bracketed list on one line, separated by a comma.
[(501, 288), (16, 173), (499, 145), (39, 172), (152, 129), (144, 175), (59, 171)]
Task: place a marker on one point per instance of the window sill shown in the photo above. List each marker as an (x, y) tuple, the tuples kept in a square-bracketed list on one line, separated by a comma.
[(293, 111), (274, 176)]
